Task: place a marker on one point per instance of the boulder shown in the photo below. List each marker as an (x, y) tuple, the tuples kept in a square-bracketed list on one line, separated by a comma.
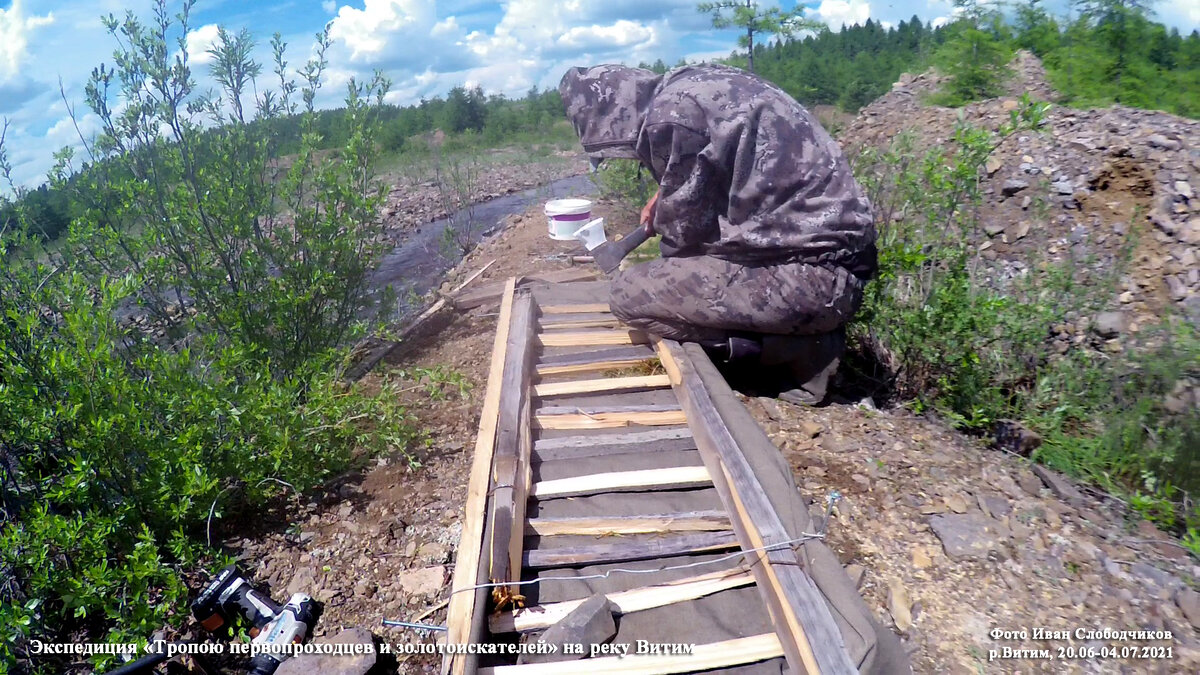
[(1110, 324), (969, 536)]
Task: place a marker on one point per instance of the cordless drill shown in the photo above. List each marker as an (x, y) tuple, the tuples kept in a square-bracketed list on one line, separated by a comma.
[(230, 595)]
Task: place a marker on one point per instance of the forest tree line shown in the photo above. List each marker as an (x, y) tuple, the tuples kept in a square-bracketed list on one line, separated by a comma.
[(1106, 51)]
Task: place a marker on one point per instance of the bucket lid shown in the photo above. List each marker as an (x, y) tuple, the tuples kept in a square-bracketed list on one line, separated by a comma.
[(567, 207)]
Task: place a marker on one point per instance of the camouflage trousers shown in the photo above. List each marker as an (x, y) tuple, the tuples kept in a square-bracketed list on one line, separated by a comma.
[(708, 300)]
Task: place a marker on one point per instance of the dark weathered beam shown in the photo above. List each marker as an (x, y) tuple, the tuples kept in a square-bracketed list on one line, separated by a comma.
[(594, 445), (635, 353), (621, 551), (510, 464), (693, 521), (807, 630)]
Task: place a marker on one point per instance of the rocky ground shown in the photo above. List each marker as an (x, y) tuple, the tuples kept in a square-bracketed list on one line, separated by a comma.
[(951, 540)]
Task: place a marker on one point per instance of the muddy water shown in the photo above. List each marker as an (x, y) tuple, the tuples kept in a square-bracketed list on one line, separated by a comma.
[(418, 264)]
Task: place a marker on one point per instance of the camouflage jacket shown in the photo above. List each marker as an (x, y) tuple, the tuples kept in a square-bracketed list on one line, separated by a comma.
[(746, 173)]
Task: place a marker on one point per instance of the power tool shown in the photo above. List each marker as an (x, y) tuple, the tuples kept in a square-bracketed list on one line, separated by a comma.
[(272, 627)]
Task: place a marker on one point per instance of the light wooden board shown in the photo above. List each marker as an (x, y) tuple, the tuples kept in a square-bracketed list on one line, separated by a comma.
[(694, 521), (626, 602), (623, 336), (580, 323), (623, 481), (460, 613), (613, 420), (601, 384), (599, 409), (584, 308), (724, 654), (621, 550), (596, 367)]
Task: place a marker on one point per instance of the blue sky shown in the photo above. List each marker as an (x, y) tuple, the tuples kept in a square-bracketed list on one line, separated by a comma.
[(424, 46)]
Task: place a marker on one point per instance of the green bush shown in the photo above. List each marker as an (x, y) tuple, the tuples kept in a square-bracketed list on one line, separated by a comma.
[(122, 443), (955, 337)]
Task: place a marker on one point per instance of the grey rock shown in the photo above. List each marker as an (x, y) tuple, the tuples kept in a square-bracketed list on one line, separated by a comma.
[(1160, 141), (993, 228), (996, 507), (1154, 575), (1176, 288), (335, 664), (1012, 187), (1110, 324), (1188, 602), (591, 623), (1064, 187), (1026, 201), (969, 536), (1059, 485), (1184, 188)]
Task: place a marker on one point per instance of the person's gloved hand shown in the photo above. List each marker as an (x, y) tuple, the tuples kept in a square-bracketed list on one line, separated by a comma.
[(648, 212)]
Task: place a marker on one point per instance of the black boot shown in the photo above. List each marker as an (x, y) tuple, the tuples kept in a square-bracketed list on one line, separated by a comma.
[(811, 360)]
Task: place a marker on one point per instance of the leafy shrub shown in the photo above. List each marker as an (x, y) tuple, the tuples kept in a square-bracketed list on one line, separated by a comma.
[(121, 442), (954, 336)]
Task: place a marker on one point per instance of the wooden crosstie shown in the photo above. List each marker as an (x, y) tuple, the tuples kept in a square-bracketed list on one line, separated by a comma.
[(571, 389)]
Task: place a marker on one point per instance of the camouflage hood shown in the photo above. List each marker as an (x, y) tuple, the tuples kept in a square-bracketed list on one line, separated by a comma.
[(607, 104)]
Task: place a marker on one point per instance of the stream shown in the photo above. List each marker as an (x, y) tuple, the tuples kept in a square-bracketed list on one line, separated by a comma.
[(418, 264)]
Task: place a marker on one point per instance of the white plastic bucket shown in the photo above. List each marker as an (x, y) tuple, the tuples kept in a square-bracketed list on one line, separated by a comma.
[(565, 216), (592, 234)]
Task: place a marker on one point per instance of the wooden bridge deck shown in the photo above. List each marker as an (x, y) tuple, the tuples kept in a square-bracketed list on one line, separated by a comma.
[(607, 462)]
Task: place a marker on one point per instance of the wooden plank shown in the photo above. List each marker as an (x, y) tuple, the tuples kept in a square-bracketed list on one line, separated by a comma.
[(509, 468), (671, 478), (620, 550), (724, 654), (634, 438), (594, 367), (601, 384), (600, 409), (626, 602), (808, 633), (583, 452), (585, 308), (631, 353), (613, 420), (461, 611), (624, 336), (579, 323), (692, 521)]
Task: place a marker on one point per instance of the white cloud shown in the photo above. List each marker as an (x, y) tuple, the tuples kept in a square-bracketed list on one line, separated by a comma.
[(15, 28), (382, 24), (838, 13), (330, 6), (199, 41)]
